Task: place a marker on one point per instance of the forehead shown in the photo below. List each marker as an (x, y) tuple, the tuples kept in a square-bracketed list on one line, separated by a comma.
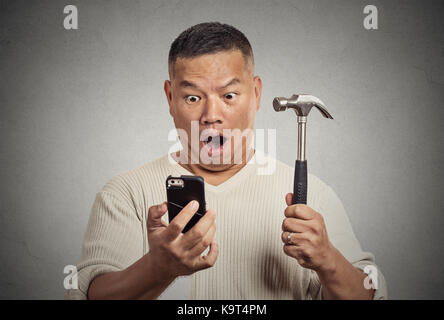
[(211, 66)]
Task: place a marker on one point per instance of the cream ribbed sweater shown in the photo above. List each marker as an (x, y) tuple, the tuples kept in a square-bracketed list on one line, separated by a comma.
[(249, 213)]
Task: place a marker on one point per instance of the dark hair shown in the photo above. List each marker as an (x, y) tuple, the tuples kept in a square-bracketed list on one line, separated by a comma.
[(208, 37)]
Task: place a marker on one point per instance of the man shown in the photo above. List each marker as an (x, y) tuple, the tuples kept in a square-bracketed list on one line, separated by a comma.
[(264, 248)]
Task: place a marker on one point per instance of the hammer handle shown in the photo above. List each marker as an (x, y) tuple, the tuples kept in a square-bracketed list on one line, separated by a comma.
[(300, 182)]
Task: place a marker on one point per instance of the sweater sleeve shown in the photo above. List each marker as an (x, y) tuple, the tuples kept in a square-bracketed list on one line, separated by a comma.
[(341, 235), (113, 241)]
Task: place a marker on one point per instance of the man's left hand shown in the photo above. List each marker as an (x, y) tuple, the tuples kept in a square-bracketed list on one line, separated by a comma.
[(309, 243)]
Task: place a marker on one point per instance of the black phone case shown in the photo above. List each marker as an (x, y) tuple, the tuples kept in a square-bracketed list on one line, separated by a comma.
[(178, 197)]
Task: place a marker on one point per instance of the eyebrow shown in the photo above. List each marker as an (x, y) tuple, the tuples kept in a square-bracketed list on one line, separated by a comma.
[(185, 83)]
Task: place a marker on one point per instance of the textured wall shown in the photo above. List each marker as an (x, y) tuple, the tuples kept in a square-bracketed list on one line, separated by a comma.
[(80, 106)]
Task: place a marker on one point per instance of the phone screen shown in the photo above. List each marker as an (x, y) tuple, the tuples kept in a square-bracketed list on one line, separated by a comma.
[(180, 191)]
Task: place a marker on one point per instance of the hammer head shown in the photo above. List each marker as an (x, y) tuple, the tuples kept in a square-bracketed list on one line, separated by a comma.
[(301, 104)]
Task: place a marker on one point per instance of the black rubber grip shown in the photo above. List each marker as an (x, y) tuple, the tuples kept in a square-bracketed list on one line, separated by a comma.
[(300, 182)]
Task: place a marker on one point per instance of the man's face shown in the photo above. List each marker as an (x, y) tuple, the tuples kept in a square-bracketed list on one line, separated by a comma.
[(219, 92)]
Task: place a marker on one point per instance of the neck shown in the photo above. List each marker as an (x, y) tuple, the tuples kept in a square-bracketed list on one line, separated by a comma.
[(217, 175)]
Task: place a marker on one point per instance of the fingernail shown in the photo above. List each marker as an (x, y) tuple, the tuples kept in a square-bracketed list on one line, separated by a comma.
[(194, 204)]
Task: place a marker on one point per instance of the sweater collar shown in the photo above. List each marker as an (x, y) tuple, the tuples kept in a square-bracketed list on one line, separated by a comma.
[(233, 181)]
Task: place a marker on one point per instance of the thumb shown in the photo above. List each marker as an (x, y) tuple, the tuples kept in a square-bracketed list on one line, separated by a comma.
[(289, 199), (155, 214)]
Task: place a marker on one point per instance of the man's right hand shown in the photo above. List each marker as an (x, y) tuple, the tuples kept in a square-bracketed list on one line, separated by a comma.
[(175, 253), (171, 254)]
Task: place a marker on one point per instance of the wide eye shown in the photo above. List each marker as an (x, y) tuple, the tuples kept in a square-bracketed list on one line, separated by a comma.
[(230, 96), (192, 99)]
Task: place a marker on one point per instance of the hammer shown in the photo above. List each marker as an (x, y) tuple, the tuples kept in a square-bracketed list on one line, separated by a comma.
[(301, 104)]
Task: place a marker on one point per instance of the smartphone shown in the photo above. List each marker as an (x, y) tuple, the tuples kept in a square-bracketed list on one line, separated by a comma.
[(180, 191)]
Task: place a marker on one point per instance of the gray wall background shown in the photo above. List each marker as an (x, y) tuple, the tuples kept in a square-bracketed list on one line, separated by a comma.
[(79, 106)]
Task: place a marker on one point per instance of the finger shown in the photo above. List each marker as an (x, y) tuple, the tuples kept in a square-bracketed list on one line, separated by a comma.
[(296, 225), (301, 211), (295, 238), (296, 253), (286, 240), (203, 244), (209, 260), (180, 221), (291, 251), (155, 213), (200, 229), (289, 199)]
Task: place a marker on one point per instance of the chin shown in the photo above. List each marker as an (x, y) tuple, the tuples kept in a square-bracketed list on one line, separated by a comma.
[(215, 167)]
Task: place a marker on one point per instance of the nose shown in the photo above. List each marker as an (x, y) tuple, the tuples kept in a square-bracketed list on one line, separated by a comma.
[(212, 112)]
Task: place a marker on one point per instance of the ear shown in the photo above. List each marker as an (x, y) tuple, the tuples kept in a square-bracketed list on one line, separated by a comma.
[(167, 89), (258, 91)]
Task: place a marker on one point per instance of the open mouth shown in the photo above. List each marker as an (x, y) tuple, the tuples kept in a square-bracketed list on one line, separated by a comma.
[(214, 143)]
